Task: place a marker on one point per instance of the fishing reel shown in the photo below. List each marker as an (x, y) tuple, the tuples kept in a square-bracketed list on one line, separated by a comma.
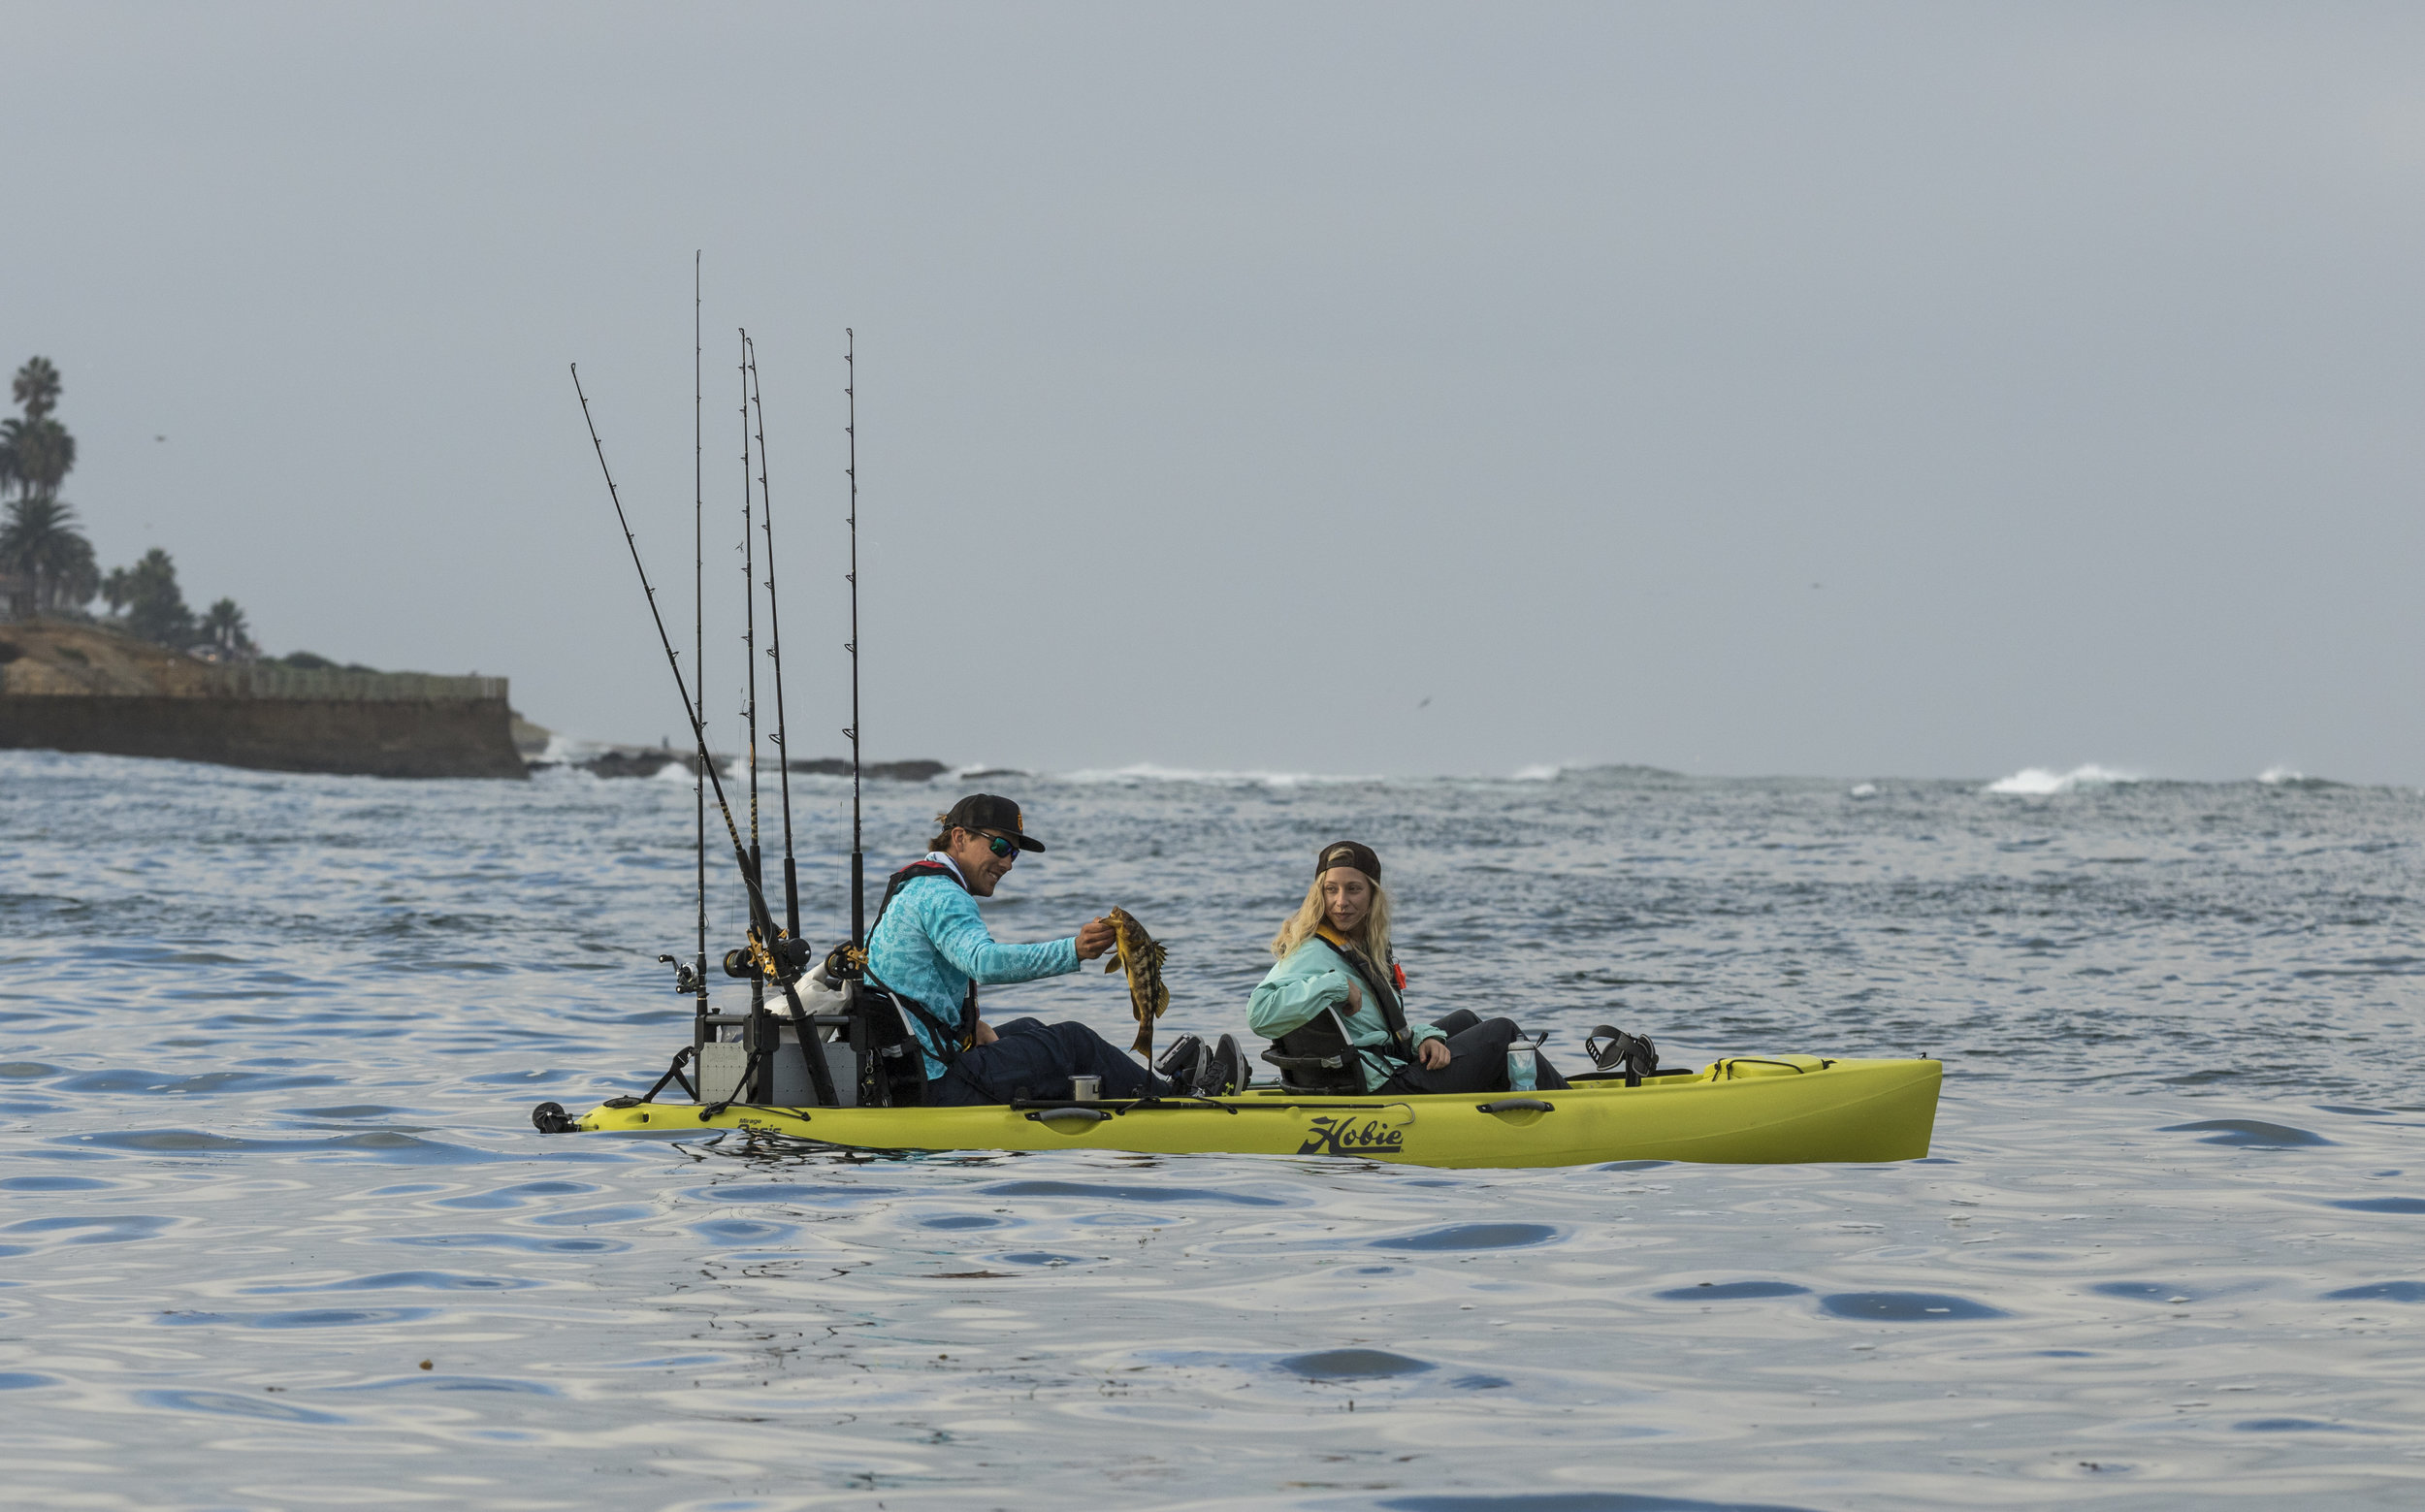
[(784, 961), (686, 979)]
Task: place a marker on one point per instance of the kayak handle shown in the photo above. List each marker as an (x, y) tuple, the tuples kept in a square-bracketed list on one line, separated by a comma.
[(1517, 1105), (1084, 1116)]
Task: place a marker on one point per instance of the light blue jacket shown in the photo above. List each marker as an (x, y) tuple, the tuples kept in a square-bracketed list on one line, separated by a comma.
[(931, 943), (1313, 976)]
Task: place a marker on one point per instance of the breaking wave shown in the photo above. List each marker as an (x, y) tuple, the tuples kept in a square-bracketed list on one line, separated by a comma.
[(2037, 782), (2287, 777), (1148, 772), (1619, 771)]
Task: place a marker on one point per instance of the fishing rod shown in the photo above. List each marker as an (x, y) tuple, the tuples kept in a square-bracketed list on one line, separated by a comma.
[(749, 640), (698, 608), (858, 851), (774, 649), (778, 957)]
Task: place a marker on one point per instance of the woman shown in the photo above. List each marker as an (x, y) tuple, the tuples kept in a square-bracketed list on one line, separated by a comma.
[(1334, 953)]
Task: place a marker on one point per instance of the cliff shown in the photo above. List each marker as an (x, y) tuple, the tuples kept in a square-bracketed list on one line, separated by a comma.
[(68, 685)]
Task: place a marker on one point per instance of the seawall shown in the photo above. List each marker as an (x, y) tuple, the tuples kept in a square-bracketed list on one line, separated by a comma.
[(457, 738), (70, 686)]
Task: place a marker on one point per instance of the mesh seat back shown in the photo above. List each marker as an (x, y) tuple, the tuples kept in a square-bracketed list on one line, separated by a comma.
[(1316, 1057)]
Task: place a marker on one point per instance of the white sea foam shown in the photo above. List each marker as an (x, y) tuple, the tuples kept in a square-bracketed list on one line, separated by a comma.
[(1148, 772), (2038, 781), (1544, 772), (571, 750), (1865, 790), (2274, 776)]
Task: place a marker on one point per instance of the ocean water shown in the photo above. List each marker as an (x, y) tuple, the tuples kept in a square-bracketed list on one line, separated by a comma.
[(276, 1232)]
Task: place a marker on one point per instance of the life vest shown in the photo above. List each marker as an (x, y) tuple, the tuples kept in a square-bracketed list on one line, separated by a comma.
[(1385, 988), (950, 1039)]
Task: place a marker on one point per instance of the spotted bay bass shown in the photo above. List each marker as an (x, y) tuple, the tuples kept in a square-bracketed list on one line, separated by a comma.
[(1142, 957)]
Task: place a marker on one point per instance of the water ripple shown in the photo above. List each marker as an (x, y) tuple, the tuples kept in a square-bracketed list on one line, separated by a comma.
[(2158, 1258)]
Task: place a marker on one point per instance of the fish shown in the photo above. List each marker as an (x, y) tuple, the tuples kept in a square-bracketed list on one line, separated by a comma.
[(1142, 957)]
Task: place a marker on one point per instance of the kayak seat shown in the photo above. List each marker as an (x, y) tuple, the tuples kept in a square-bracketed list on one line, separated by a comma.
[(1316, 1057), (893, 1071)]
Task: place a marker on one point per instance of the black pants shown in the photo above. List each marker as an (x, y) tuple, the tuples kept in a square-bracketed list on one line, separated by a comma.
[(1478, 1059), (1031, 1058)]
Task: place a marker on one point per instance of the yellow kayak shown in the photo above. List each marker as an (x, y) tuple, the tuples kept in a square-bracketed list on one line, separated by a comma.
[(1740, 1111)]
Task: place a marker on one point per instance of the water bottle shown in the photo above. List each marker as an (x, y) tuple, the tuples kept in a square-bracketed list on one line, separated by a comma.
[(1522, 1068)]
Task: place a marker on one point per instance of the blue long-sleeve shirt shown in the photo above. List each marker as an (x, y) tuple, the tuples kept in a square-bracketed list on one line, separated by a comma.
[(931, 943)]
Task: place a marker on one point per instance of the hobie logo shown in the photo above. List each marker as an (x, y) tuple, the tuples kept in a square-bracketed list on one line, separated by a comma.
[(1350, 1137)]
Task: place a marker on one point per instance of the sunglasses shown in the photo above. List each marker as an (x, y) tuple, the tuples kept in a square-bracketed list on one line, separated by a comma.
[(1001, 845)]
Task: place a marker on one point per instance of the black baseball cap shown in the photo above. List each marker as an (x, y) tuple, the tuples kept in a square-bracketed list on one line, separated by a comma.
[(985, 810), (1349, 852)]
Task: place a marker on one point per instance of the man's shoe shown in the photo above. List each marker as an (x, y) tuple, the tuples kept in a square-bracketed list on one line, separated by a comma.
[(1183, 1063), (1224, 1071)]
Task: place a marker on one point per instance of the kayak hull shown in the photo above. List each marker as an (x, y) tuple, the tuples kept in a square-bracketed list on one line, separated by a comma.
[(1741, 1111)]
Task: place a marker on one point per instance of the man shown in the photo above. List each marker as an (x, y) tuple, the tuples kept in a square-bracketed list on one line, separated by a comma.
[(929, 948)]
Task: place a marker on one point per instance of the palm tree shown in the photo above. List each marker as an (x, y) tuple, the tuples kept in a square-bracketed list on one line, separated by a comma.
[(223, 626), (37, 387), (76, 577), (39, 539), (156, 606), (38, 453)]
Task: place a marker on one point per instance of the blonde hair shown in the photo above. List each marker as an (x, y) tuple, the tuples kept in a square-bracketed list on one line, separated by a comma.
[(1371, 937)]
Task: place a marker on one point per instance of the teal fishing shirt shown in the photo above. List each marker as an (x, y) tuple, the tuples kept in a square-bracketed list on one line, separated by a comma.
[(931, 942), (1313, 976)]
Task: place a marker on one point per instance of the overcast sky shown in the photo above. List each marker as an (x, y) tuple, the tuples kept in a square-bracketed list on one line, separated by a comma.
[(1858, 390)]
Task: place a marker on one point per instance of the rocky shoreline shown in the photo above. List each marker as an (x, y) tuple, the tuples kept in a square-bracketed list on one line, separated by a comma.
[(649, 761), (69, 685)]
